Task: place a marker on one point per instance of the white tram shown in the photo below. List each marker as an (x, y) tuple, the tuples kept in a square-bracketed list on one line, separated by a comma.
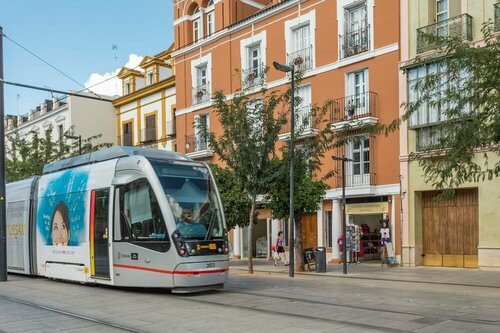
[(121, 216)]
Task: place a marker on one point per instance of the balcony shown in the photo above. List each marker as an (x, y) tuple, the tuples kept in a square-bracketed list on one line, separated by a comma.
[(253, 77), (201, 93), (148, 135), (126, 140), (354, 111), (197, 147), (355, 42), (497, 17), (430, 37), (302, 59), (305, 124)]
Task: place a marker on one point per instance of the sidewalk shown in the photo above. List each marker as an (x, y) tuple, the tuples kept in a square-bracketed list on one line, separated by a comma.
[(374, 271)]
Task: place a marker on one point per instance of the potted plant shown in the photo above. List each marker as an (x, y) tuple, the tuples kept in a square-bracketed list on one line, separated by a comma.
[(298, 61), (200, 94)]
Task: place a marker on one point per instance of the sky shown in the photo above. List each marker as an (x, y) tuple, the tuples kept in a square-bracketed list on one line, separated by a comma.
[(77, 37)]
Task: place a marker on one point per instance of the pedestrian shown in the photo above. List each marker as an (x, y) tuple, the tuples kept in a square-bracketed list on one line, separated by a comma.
[(280, 250)]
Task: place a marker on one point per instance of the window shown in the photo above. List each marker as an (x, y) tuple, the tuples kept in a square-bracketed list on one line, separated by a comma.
[(150, 132), (355, 19), (328, 229), (196, 29), (254, 57), (301, 48), (356, 31), (201, 91), (126, 88), (149, 77), (254, 73), (210, 23), (442, 16), (357, 103), (255, 116), (358, 171), (60, 130), (127, 134), (303, 113), (201, 127), (141, 220), (201, 76)]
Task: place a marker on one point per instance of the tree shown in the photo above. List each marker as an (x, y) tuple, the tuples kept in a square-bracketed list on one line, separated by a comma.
[(309, 189), (462, 88), (235, 201), (26, 155), (247, 143)]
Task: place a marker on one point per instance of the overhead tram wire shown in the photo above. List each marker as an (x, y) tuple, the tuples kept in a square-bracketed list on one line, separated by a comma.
[(52, 66)]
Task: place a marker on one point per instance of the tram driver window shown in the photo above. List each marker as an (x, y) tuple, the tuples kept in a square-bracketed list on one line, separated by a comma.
[(141, 219)]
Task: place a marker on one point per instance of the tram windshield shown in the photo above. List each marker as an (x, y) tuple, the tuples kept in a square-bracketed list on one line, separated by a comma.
[(193, 200)]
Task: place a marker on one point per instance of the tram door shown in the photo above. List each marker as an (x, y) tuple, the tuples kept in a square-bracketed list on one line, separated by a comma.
[(99, 233)]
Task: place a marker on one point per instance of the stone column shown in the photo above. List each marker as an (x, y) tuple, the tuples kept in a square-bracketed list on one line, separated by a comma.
[(336, 227), (393, 222), (319, 225)]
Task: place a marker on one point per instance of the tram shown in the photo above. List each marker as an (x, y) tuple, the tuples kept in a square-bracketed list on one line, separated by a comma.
[(122, 216)]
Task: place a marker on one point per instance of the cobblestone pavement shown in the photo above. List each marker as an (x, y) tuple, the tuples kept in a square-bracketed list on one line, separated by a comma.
[(262, 302)]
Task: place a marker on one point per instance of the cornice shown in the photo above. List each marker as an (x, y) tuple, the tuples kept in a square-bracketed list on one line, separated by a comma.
[(143, 92)]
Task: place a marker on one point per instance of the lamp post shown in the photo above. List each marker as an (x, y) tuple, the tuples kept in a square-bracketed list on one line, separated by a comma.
[(344, 222), (76, 137), (3, 220), (291, 69)]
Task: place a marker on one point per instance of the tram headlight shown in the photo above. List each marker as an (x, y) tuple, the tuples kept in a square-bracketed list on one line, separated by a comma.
[(180, 244)]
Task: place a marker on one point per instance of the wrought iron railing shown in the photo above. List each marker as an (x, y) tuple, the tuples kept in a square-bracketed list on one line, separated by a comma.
[(361, 171), (353, 107), (126, 140), (252, 77), (302, 59), (497, 17), (304, 121), (355, 42), (430, 37), (201, 93), (148, 134), (196, 143)]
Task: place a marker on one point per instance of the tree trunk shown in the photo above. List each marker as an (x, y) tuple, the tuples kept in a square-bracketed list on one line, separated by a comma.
[(250, 228), (299, 257)]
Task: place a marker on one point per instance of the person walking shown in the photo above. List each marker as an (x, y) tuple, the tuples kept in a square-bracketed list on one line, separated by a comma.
[(280, 250)]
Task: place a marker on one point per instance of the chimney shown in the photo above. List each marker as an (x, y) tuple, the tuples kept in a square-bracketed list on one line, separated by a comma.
[(19, 120), (55, 103), (9, 123), (31, 115)]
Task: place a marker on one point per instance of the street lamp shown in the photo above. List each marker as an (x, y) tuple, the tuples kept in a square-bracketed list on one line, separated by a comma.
[(291, 69), (76, 137), (344, 223)]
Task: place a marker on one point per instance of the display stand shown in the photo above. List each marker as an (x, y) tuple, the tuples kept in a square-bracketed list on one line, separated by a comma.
[(353, 242), (387, 255)]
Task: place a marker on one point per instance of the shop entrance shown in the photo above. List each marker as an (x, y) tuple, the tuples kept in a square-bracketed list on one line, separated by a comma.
[(259, 240), (451, 229), (369, 225)]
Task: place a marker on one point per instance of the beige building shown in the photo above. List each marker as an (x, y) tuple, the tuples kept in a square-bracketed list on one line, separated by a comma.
[(463, 231)]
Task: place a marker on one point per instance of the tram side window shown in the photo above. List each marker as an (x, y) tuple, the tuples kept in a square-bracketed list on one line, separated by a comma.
[(140, 215)]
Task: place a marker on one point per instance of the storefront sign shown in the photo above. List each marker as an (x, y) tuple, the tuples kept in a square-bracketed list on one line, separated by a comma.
[(368, 208)]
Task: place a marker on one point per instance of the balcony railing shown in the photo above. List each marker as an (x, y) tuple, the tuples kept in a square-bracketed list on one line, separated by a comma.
[(302, 59), (126, 140), (148, 135), (429, 37), (304, 122), (361, 172), (497, 16), (354, 107), (355, 42), (196, 143), (252, 77), (201, 93)]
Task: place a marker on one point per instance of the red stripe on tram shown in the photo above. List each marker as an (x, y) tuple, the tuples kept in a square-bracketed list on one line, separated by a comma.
[(163, 271)]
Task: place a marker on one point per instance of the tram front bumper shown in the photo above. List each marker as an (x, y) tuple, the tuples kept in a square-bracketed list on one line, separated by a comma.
[(205, 273)]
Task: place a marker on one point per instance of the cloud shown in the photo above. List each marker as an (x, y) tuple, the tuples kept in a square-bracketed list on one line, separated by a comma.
[(107, 83)]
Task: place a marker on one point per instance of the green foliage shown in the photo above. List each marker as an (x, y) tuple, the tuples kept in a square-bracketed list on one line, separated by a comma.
[(235, 200), (26, 155)]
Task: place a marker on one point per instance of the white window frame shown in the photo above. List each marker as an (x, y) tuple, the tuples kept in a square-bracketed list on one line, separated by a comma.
[(306, 19), (362, 101), (149, 77), (343, 5), (210, 22), (126, 87), (247, 43), (305, 93), (198, 132), (195, 64), (363, 177)]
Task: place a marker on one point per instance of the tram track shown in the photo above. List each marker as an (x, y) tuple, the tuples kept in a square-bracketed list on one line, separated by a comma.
[(366, 308), (72, 315)]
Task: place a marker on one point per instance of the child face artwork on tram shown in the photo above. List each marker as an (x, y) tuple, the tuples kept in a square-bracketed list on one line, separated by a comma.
[(60, 230)]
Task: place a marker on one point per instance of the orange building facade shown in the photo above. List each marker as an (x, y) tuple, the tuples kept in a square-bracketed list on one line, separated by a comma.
[(348, 51)]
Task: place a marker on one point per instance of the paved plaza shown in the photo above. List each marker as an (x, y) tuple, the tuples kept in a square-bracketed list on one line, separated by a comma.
[(369, 299)]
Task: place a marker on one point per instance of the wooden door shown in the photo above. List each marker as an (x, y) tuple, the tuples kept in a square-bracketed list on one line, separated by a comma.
[(451, 229), (309, 231)]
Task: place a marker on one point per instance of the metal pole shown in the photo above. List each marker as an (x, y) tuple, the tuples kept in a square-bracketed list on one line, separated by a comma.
[(344, 222), (291, 268), (3, 222)]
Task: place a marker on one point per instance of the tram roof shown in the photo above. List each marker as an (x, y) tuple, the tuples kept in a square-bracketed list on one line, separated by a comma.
[(109, 154)]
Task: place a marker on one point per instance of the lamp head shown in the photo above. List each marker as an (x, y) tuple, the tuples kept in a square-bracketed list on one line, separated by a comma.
[(282, 68)]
